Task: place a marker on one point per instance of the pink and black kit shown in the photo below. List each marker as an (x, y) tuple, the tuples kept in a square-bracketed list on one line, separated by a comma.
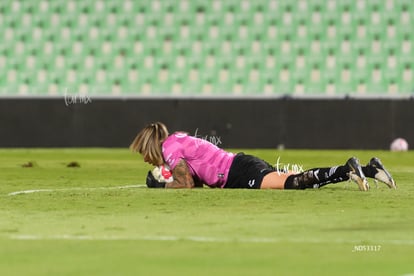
[(212, 165)]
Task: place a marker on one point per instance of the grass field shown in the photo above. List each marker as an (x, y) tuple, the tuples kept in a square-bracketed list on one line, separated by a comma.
[(96, 219)]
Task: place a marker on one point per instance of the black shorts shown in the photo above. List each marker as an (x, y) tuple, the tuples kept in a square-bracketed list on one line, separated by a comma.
[(247, 172)]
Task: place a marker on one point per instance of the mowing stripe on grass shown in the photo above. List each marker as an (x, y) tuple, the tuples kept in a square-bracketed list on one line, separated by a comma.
[(75, 189), (199, 239)]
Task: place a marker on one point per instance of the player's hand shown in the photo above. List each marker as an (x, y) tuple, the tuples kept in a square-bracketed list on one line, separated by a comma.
[(152, 182)]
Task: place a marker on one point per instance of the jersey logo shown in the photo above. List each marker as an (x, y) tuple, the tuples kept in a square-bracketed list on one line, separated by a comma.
[(180, 134), (251, 182)]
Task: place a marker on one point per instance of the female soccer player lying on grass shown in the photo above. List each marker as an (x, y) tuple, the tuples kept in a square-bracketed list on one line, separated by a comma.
[(194, 161)]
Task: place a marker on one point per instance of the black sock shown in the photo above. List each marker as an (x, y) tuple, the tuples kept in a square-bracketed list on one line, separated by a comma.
[(299, 181), (332, 175), (317, 177), (369, 171)]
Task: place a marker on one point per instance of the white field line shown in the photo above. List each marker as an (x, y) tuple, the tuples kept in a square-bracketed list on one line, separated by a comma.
[(201, 239), (75, 189)]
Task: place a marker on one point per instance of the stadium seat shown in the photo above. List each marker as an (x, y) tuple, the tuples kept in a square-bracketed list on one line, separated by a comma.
[(220, 47)]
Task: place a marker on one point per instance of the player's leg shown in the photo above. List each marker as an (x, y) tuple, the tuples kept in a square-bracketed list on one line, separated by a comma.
[(274, 180), (318, 177), (313, 178)]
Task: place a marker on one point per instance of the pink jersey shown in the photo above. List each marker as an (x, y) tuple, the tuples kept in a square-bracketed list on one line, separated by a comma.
[(206, 161)]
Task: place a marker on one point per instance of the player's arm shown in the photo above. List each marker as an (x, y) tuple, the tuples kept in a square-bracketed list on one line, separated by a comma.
[(182, 176)]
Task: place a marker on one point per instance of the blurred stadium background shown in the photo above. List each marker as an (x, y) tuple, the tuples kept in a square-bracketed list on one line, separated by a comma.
[(317, 53), (203, 48)]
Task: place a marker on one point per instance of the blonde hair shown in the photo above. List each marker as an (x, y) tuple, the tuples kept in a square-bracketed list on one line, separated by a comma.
[(148, 142)]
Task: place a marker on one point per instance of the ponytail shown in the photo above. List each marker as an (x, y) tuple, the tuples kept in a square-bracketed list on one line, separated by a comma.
[(149, 140)]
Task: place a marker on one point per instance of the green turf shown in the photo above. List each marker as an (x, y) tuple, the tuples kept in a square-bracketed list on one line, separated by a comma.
[(82, 223)]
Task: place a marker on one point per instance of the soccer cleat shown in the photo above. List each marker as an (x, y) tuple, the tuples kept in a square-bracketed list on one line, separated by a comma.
[(381, 173), (356, 174)]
